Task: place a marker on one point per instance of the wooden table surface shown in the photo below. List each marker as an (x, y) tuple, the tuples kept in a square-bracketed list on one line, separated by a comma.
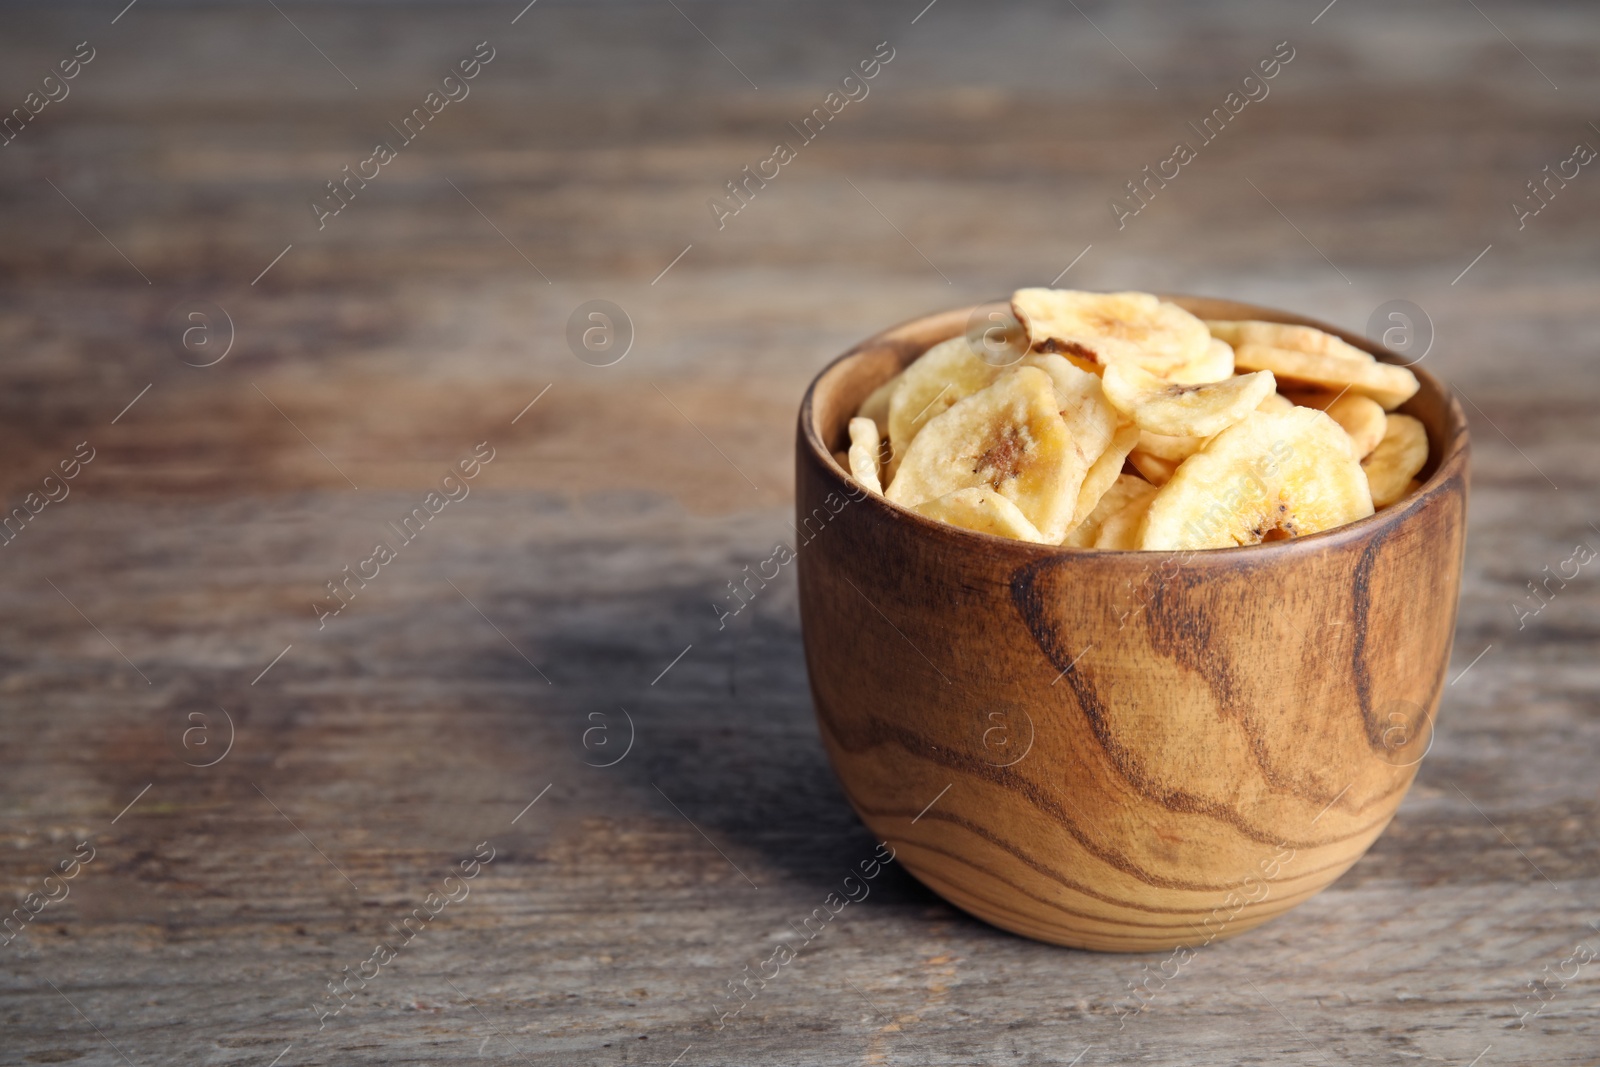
[(265, 797)]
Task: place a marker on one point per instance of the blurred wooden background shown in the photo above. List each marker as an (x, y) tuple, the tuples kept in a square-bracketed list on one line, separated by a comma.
[(566, 606)]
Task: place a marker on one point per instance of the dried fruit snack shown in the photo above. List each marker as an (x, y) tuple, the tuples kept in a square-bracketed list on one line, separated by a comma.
[(1009, 437), (1105, 328), (1131, 424), (1267, 477)]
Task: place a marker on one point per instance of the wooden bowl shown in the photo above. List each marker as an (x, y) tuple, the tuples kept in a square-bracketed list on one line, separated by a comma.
[(1125, 751)]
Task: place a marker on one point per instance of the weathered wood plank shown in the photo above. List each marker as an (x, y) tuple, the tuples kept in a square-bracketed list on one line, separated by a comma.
[(597, 541)]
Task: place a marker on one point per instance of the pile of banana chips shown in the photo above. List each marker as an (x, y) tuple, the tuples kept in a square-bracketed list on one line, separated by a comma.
[(1122, 421)]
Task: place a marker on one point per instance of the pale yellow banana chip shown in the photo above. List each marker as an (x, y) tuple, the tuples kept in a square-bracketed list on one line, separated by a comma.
[(1082, 402), (1215, 365), (1275, 402), (1008, 437), (1363, 419), (1389, 385), (1104, 472), (876, 405), (1175, 449), (946, 373), (1123, 489), (1111, 327), (1307, 339), (1155, 470), (1396, 459), (1121, 529), (1267, 477), (1175, 410), (865, 452), (983, 510)]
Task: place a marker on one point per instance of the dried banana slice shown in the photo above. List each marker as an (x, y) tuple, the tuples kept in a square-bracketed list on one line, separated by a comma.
[(1111, 327), (946, 373), (1121, 529), (1307, 339), (1008, 437), (1088, 414), (1389, 385), (876, 405), (1275, 402), (865, 452), (1104, 472), (1396, 459), (1363, 419), (1122, 490), (1175, 449), (1215, 365), (1155, 470), (1175, 410), (1267, 477), (983, 510)]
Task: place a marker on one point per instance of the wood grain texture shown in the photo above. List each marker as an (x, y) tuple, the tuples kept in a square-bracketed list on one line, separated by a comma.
[(601, 539), (1121, 750)]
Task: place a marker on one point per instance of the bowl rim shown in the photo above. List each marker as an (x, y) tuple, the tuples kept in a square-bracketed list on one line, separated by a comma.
[(1450, 469)]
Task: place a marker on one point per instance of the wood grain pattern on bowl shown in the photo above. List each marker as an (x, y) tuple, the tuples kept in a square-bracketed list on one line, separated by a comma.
[(1125, 751)]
